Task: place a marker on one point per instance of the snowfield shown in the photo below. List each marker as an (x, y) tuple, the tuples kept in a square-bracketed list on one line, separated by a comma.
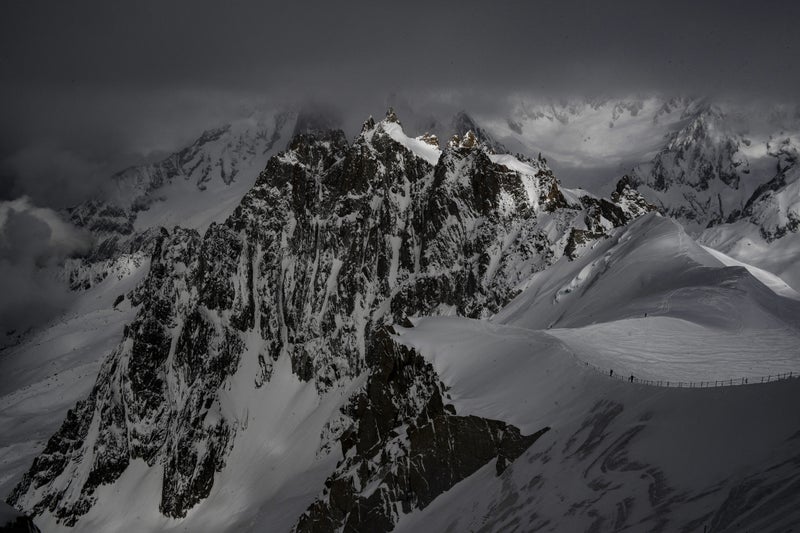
[(618, 455)]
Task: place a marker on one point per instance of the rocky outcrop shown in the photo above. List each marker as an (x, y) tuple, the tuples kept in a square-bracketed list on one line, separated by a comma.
[(462, 123), (406, 446), (773, 206), (696, 177), (131, 409), (600, 215)]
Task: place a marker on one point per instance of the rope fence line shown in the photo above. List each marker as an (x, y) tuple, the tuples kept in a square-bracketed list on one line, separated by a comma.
[(695, 384)]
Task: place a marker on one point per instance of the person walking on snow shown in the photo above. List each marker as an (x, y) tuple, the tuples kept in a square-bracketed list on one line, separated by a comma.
[(631, 378)]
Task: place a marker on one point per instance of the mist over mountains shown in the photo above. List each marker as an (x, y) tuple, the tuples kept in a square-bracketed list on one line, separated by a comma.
[(429, 267), (590, 143)]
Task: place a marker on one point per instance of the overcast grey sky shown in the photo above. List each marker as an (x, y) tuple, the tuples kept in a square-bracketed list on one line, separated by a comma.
[(88, 86)]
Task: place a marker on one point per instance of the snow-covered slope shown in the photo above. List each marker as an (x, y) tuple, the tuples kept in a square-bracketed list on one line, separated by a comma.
[(652, 302), (725, 170), (731, 184), (743, 241), (767, 231), (604, 454), (618, 456), (205, 181)]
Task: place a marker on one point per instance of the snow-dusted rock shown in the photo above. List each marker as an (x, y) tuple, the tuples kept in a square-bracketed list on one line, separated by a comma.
[(332, 243)]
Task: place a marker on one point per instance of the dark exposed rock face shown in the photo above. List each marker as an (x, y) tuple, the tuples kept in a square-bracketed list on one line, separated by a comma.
[(463, 123), (333, 242), (699, 177), (772, 206), (406, 446), (626, 203), (696, 176), (12, 521), (131, 409)]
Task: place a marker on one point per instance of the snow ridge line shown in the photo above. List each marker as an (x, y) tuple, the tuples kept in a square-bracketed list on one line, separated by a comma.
[(697, 384)]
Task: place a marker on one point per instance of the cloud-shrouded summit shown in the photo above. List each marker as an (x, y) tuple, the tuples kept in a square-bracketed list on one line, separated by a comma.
[(103, 86)]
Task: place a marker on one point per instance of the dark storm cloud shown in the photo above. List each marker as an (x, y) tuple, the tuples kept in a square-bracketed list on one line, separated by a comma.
[(553, 45), (100, 84)]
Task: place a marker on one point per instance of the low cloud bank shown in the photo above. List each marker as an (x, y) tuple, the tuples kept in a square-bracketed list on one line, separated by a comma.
[(33, 241)]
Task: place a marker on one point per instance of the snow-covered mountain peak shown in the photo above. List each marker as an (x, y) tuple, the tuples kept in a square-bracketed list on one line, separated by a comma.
[(704, 125), (368, 124), (701, 152), (334, 243), (425, 147), (462, 125), (391, 116), (262, 377), (463, 143)]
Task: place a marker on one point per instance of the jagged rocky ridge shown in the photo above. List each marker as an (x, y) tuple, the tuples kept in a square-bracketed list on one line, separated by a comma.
[(124, 219), (696, 177), (405, 447), (775, 205), (333, 243), (463, 123), (706, 175)]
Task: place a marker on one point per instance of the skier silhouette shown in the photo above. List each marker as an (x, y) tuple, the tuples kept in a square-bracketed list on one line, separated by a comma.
[(611, 373), (631, 378)]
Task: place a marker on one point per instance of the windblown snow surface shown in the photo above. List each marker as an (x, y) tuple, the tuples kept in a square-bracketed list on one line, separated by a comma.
[(620, 455)]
